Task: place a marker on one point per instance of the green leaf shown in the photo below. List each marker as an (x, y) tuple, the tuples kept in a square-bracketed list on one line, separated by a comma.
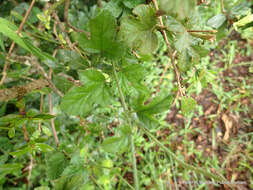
[(139, 32), (103, 37), (174, 25), (9, 29), (180, 8), (91, 77), (74, 182), (187, 105), (147, 120), (21, 152), (115, 144), (217, 20), (43, 147), (80, 100), (62, 83), (184, 41), (158, 104), (71, 58), (10, 168), (55, 165), (114, 7), (131, 4), (46, 131), (38, 52), (11, 132), (130, 79), (2, 42)]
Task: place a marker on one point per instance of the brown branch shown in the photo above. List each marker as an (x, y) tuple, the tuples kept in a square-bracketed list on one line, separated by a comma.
[(62, 28), (160, 27), (14, 92), (164, 71), (66, 8), (209, 31), (4, 73), (41, 109), (51, 84), (169, 52)]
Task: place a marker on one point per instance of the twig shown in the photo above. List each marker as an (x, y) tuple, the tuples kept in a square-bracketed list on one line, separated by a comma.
[(56, 35), (4, 74), (222, 7), (62, 28), (41, 109), (26, 138), (162, 27), (66, 8), (54, 6), (11, 93), (30, 168), (164, 71), (208, 31), (51, 84), (169, 51)]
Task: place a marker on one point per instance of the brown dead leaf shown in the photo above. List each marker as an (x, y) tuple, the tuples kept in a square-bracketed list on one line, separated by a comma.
[(228, 122)]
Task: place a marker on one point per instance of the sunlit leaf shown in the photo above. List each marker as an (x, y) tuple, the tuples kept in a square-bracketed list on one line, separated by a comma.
[(217, 20)]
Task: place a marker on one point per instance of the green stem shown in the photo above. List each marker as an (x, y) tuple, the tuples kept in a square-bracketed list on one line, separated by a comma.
[(182, 163), (123, 102)]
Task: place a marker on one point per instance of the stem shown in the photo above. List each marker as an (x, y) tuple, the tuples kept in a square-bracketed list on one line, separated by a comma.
[(4, 74), (217, 177), (123, 102), (172, 57), (222, 7)]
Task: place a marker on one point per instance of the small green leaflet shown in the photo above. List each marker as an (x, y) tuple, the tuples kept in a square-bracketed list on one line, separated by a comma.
[(139, 32), (187, 105), (10, 168), (21, 152), (217, 20), (43, 147), (11, 132), (103, 29), (80, 100)]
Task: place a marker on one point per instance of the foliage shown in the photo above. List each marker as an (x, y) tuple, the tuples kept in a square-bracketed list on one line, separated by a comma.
[(104, 64)]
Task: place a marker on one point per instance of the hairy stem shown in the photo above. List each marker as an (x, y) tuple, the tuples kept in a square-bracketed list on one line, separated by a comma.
[(124, 105)]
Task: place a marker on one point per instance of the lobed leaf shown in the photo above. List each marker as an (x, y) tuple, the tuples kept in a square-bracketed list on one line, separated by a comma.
[(139, 33)]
